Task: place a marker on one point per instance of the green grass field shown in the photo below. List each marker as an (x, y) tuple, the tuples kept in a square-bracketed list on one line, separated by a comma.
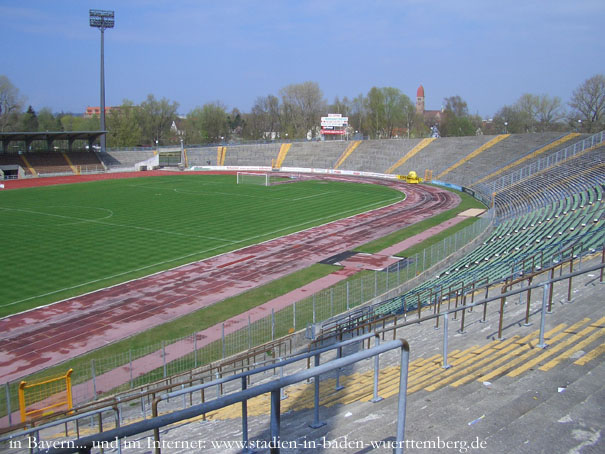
[(65, 240)]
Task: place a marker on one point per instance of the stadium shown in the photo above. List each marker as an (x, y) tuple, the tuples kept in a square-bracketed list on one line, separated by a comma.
[(152, 324)]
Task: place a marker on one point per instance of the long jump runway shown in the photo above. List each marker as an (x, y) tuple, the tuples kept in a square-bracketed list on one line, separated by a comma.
[(43, 337)]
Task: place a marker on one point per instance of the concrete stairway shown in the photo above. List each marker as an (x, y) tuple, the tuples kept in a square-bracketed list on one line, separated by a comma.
[(442, 153), (320, 155)]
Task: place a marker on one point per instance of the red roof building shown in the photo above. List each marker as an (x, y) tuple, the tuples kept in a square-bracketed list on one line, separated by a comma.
[(92, 111), (430, 116)]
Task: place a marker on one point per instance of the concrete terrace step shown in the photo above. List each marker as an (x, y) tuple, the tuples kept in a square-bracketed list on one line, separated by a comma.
[(490, 411), (428, 374), (549, 426)]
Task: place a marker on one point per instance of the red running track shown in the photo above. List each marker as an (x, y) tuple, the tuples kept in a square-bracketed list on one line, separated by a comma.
[(49, 335)]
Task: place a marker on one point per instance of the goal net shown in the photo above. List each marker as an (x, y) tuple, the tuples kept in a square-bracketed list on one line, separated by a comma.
[(259, 179)]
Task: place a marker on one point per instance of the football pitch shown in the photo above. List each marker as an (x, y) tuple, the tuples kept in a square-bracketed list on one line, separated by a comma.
[(65, 240)]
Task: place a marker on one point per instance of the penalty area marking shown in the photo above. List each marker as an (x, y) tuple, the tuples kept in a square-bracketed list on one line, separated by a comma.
[(114, 224), (78, 220)]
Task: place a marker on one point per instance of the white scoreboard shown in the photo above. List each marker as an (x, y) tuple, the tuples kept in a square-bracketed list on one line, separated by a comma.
[(334, 124)]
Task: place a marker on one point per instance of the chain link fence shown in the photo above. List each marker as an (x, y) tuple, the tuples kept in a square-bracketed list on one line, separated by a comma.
[(163, 359)]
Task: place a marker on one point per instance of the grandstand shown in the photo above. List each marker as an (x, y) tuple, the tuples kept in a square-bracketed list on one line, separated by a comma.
[(547, 219), (578, 173), (48, 163)]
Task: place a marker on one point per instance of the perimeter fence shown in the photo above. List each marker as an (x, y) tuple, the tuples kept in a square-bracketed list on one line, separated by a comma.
[(95, 375)]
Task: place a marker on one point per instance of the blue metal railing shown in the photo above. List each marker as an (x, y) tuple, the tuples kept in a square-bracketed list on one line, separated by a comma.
[(85, 444)]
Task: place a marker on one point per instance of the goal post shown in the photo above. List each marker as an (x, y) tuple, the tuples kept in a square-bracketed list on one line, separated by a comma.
[(254, 178), (266, 178)]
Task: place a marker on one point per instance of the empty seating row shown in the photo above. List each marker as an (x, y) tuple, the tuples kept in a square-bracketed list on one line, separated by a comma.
[(543, 233), (576, 174)]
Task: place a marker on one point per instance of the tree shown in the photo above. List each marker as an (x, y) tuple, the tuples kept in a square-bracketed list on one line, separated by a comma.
[(10, 104), (588, 102), (389, 112), (72, 123), (410, 118), (454, 126), (263, 121), (418, 127), (526, 107), (529, 114), (155, 119), (509, 120), (207, 124), (358, 113), (456, 105), (123, 128), (549, 113), (302, 105), (236, 122), (340, 107), (29, 121), (374, 104), (47, 121), (455, 119), (395, 106)]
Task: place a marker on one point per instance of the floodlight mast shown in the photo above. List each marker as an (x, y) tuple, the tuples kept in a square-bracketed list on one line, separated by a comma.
[(102, 19)]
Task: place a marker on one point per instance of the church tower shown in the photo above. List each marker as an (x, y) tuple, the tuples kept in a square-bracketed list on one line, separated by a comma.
[(420, 100)]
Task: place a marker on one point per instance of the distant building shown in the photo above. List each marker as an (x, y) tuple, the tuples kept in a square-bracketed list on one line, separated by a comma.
[(178, 127), (431, 117), (92, 111)]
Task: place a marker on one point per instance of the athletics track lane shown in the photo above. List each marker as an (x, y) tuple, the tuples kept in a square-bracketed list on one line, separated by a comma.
[(47, 336)]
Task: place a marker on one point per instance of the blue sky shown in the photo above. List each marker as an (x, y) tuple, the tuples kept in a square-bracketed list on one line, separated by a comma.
[(489, 52)]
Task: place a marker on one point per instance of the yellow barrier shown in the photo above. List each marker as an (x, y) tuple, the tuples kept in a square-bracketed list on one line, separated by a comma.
[(532, 155), (423, 143), (51, 393), (283, 151), (74, 169), (220, 156), (350, 148), (411, 177), (28, 165)]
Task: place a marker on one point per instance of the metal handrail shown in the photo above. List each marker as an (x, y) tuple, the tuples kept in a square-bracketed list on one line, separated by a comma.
[(507, 294), (36, 430), (546, 286), (85, 444), (145, 390), (567, 152), (258, 370), (462, 292), (503, 280), (243, 376)]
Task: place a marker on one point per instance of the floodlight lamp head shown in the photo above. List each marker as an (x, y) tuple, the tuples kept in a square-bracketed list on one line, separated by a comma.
[(101, 19)]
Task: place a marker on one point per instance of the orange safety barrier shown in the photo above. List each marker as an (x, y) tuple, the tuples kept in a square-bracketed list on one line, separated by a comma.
[(50, 394)]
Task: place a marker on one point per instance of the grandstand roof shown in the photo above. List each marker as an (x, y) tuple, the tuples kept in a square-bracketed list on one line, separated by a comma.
[(7, 137)]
